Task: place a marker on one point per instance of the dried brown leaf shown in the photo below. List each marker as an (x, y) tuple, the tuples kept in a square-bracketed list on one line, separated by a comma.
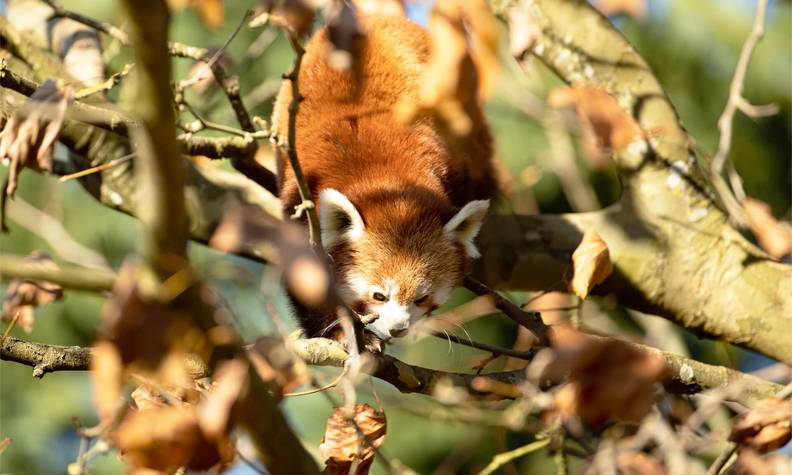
[(29, 137), (214, 413), (23, 296), (306, 276), (774, 236), (299, 15), (456, 77), (606, 126), (766, 427), (608, 378), (107, 372), (166, 438), (212, 12), (636, 8), (346, 442), (277, 365), (148, 331), (4, 444), (591, 264)]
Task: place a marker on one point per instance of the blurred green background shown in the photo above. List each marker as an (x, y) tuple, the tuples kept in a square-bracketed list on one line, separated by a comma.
[(692, 47)]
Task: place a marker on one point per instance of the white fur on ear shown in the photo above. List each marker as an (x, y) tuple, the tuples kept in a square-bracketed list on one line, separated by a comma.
[(465, 225), (339, 219)]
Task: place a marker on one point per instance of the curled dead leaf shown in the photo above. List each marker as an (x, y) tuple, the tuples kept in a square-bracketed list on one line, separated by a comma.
[(307, 278), (107, 373), (774, 236), (29, 137), (166, 438), (766, 427), (456, 77), (4, 444), (591, 264), (214, 413), (608, 378), (23, 296), (147, 331), (352, 439), (606, 127)]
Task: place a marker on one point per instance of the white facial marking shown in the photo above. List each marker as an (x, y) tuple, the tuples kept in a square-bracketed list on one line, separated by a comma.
[(392, 316)]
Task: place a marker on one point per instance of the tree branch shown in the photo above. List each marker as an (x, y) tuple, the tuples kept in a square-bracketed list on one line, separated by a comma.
[(736, 102), (687, 375), (65, 275), (674, 254)]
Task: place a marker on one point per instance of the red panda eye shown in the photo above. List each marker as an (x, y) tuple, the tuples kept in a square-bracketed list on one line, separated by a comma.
[(378, 297), (421, 300)]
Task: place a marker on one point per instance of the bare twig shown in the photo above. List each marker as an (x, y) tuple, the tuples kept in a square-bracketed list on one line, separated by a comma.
[(308, 205), (107, 28), (98, 168), (70, 276), (106, 85), (506, 457), (530, 320), (495, 350), (731, 198)]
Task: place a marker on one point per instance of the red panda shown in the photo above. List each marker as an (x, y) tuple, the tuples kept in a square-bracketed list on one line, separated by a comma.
[(399, 207)]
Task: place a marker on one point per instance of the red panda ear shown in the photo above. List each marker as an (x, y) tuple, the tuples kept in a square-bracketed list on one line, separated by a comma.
[(465, 225), (339, 219)]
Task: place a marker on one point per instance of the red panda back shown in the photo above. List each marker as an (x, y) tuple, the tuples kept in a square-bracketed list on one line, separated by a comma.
[(400, 206), (346, 132)]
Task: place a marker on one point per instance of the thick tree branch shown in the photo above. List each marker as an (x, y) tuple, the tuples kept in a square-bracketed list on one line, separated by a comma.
[(687, 376), (673, 252)]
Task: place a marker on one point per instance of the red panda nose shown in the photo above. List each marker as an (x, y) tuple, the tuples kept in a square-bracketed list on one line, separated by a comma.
[(398, 333)]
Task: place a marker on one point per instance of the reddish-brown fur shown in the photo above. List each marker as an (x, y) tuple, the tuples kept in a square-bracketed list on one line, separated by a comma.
[(404, 179)]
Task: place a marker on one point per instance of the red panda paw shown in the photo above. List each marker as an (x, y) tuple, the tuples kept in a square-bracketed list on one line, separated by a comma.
[(371, 342)]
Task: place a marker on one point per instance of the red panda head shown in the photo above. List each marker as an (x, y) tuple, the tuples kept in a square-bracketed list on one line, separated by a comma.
[(400, 257)]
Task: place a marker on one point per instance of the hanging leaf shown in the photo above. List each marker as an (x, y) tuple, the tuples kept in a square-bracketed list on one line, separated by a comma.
[(456, 76), (591, 263), (774, 236), (608, 379), (29, 137), (766, 427), (606, 127), (24, 296), (344, 443), (166, 438)]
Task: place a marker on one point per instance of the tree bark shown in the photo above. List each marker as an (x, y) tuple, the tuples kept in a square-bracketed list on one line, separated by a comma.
[(673, 251)]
